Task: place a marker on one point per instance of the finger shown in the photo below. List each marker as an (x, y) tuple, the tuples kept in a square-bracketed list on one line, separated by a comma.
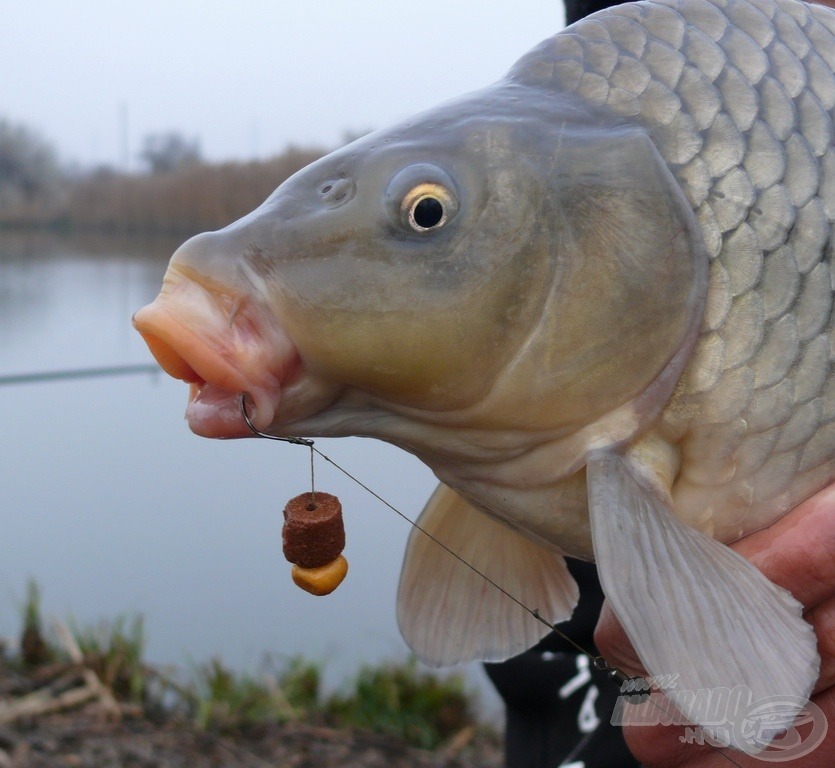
[(613, 644), (673, 747), (824, 755), (822, 618), (669, 746), (797, 552), (660, 745), (664, 747)]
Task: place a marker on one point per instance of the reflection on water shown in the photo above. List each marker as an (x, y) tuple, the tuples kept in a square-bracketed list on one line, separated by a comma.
[(65, 302), (115, 507)]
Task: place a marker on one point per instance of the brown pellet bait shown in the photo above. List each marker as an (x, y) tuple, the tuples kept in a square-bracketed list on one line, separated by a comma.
[(313, 538)]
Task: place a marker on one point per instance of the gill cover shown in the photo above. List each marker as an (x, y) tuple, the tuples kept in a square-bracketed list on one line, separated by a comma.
[(623, 313)]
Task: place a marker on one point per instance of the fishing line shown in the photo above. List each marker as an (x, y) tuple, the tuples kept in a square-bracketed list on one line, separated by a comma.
[(616, 674), (598, 661)]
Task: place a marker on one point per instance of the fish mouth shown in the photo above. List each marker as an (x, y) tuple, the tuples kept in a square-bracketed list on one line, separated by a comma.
[(220, 354)]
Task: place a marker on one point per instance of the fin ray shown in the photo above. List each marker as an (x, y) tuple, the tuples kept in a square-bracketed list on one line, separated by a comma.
[(448, 613)]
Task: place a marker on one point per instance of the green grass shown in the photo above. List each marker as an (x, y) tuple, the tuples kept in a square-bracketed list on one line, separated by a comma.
[(228, 701), (399, 699), (114, 650), (35, 650)]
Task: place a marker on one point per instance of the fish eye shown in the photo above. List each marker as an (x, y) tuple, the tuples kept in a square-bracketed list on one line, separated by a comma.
[(421, 198), (427, 207)]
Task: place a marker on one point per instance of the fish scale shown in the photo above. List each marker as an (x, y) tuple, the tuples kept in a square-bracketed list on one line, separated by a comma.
[(738, 98)]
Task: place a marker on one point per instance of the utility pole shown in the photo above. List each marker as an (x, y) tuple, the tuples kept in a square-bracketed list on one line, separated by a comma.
[(124, 137)]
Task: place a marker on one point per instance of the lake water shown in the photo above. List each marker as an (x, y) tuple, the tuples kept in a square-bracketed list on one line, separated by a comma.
[(114, 507)]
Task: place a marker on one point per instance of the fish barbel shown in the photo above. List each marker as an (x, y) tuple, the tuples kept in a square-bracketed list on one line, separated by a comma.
[(596, 299)]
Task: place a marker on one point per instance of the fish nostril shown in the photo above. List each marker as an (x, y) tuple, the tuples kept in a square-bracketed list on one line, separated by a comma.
[(337, 192)]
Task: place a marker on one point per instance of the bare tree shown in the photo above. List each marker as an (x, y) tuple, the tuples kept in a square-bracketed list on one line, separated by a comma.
[(170, 151), (28, 168)]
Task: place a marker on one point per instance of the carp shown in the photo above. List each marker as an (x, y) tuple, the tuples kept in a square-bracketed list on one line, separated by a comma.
[(595, 298)]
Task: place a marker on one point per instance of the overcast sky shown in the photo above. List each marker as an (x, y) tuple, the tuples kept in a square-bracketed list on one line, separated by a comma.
[(247, 77)]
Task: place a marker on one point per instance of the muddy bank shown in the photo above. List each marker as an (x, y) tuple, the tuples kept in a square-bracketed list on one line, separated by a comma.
[(87, 739)]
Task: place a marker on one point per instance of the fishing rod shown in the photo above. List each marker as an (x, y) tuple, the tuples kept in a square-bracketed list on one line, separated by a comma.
[(80, 373)]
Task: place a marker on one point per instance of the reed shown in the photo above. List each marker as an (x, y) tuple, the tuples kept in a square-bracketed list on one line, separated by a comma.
[(193, 198)]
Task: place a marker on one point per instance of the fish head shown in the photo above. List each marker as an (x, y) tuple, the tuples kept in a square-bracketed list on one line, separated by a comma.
[(477, 267), (402, 265)]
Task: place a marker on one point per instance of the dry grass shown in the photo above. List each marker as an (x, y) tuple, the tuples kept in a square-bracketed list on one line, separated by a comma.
[(105, 663)]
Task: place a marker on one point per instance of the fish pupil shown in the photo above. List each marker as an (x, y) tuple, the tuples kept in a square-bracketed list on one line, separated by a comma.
[(428, 212)]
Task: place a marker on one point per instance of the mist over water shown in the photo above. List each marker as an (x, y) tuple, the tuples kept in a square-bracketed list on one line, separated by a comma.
[(114, 507)]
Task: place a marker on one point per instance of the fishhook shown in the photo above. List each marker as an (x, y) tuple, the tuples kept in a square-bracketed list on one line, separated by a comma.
[(294, 440)]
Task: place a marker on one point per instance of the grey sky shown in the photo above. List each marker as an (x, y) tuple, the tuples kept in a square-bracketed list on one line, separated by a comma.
[(247, 77)]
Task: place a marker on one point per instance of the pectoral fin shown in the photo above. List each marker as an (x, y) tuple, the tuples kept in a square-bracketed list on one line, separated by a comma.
[(448, 613), (694, 608)]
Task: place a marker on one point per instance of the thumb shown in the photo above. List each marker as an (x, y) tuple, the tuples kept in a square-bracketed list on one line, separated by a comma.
[(613, 644)]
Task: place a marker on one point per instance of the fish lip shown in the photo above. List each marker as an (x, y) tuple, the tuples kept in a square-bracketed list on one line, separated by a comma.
[(216, 413), (216, 372)]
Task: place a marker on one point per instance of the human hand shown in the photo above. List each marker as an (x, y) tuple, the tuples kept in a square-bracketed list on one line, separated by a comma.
[(798, 553)]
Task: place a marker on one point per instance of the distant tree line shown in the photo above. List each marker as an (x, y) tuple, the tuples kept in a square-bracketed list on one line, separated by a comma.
[(177, 194), (165, 152), (29, 175), (192, 198)]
